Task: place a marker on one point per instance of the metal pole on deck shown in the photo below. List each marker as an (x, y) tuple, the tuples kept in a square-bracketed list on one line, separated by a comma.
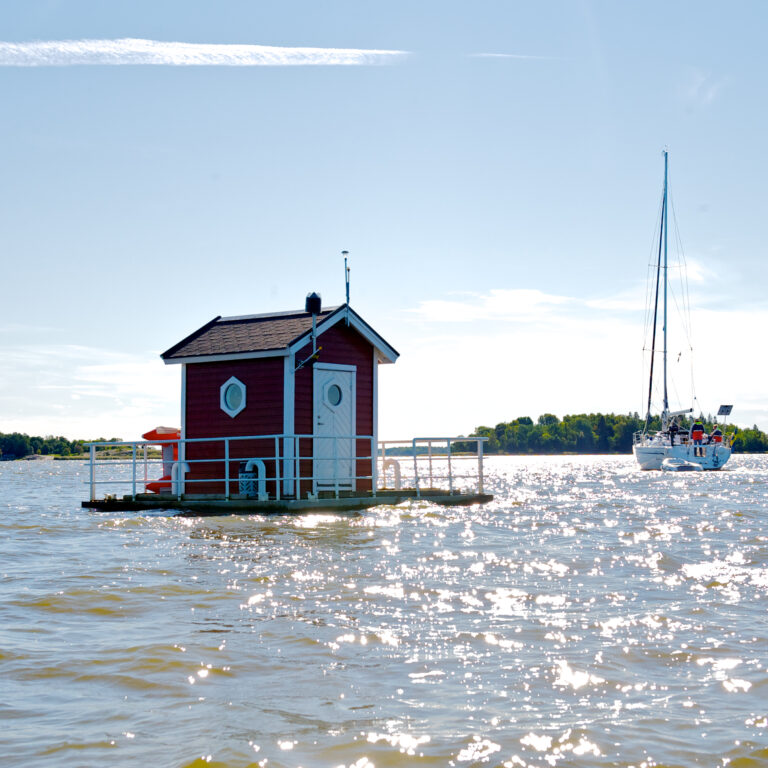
[(415, 469), (297, 471), (180, 479), (133, 454), (336, 465), (374, 467), (450, 470), (480, 466), (226, 468), (289, 472), (278, 474), (93, 469)]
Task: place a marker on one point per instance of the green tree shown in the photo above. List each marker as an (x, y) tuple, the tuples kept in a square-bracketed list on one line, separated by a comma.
[(15, 444), (604, 434)]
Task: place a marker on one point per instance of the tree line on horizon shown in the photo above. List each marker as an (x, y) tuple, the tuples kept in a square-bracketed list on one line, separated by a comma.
[(578, 433), (593, 433), (17, 445)]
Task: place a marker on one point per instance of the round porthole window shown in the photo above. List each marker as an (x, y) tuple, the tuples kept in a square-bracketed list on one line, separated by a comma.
[(334, 394), (232, 396)]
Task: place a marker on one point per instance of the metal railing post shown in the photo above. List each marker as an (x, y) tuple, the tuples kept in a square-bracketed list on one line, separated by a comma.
[(181, 477), (336, 465), (383, 460), (278, 473), (133, 468), (450, 469), (226, 468), (480, 466), (93, 471), (289, 452), (374, 468), (297, 469), (415, 470)]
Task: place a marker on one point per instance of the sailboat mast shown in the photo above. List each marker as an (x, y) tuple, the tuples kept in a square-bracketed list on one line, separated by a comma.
[(662, 229), (666, 229)]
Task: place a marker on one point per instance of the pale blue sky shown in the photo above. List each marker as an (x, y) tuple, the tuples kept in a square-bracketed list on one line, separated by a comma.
[(496, 185)]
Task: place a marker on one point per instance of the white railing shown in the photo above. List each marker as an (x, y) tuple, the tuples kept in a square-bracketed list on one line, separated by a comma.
[(433, 462), (289, 468), (681, 438)]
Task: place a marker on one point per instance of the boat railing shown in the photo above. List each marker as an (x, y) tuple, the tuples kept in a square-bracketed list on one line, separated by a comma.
[(681, 438), (284, 466)]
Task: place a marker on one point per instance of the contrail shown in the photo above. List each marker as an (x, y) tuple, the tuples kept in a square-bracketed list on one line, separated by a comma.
[(128, 51)]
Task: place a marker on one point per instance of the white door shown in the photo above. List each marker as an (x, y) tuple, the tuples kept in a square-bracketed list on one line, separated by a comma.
[(334, 416)]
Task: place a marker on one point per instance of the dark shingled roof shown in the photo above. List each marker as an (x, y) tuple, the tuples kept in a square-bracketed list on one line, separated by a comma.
[(250, 333)]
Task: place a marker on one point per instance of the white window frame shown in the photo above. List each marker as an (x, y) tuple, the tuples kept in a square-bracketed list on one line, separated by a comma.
[(222, 399)]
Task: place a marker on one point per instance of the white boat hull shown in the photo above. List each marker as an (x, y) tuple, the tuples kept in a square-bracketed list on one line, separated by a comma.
[(651, 452)]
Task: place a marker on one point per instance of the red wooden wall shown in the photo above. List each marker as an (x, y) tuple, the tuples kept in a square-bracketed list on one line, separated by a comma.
[(262, 415)]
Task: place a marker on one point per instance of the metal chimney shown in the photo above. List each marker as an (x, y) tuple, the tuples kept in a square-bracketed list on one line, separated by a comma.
[(313, 304)]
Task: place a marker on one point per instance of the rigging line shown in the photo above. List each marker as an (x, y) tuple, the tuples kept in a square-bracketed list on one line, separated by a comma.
[(680, 307), (686, 298), (655, 313), (678, 398), (653, 267), (688, 347), (683, 276)]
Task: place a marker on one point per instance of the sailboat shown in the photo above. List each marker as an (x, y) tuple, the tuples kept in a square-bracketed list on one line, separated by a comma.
[(670, 448)]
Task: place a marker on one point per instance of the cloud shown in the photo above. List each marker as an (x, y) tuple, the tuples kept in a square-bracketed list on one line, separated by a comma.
[(82, 392), (491, 357), (631, 300), (129, 51), (702, 89), (498, 304), (698, 272)]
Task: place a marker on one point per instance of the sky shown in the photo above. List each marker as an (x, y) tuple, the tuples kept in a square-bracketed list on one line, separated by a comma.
[(493, 168)]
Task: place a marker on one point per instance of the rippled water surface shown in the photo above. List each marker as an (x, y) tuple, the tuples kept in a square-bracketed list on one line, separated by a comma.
[(592, 615)]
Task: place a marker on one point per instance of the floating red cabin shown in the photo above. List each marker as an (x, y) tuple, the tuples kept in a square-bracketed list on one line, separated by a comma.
[(279, 412), (305, 383)]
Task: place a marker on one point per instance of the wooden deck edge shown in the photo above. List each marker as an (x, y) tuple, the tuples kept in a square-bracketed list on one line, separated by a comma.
[(199, 506)]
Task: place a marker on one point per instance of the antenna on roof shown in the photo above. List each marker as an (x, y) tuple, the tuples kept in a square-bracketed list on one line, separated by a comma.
[(346, 282)]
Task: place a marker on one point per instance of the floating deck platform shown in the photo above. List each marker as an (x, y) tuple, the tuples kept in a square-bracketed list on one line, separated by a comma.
[(241, 505), (229, 479)]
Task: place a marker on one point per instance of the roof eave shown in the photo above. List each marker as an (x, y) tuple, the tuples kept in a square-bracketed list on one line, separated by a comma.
[(187, 339), (385, 352), (218, 358)]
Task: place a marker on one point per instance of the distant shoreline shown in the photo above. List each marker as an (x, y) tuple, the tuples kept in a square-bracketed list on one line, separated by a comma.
[(114, 454), (601, 434)]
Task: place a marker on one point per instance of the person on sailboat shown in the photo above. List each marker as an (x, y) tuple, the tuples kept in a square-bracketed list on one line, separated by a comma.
[(716, 436), (697, 435), (673, 430)]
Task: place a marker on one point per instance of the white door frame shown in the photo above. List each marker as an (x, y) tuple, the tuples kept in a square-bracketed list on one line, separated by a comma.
[(316, 405)]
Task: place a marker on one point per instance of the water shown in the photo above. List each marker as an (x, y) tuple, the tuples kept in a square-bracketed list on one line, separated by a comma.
[(593, 615)]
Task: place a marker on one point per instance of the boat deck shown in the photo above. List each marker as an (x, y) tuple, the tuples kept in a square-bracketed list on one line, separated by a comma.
[(203, 504)]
